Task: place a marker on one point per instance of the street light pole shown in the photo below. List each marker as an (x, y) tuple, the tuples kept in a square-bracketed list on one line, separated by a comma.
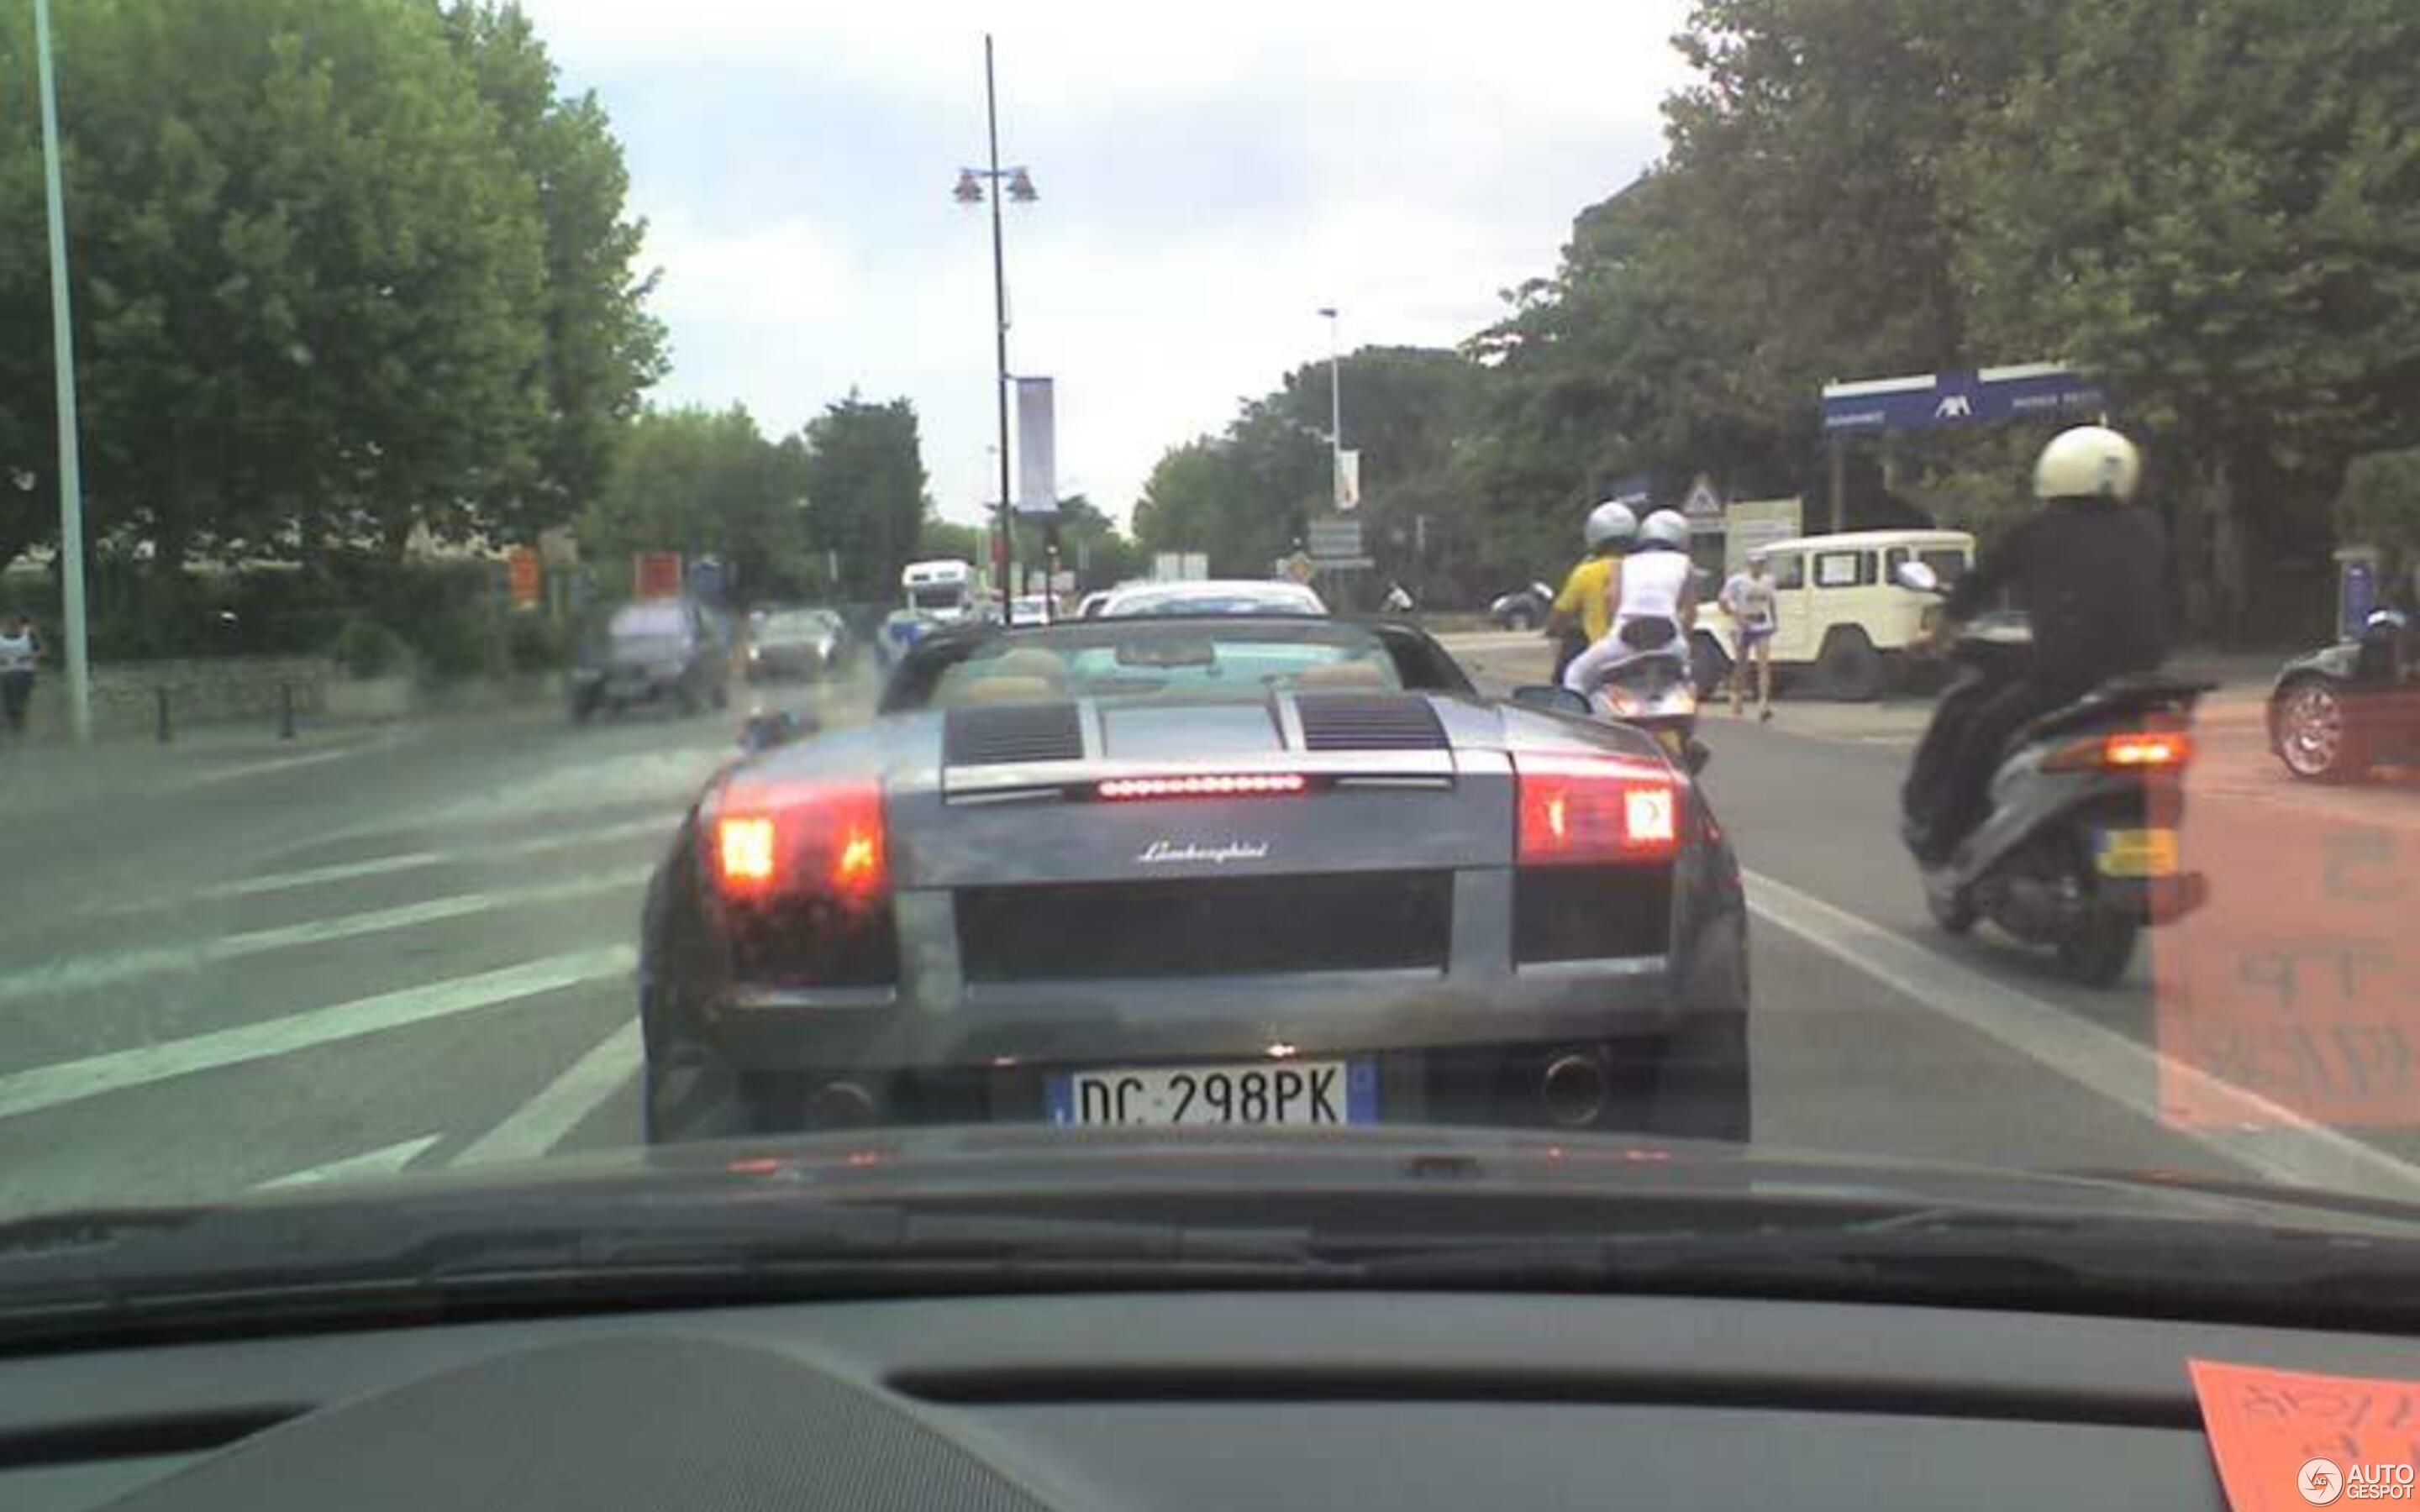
[(63, 384), (1335, 414), (1000, 320)]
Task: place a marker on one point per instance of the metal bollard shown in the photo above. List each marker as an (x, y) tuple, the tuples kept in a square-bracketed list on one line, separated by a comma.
[(160, 696), (286, 711)]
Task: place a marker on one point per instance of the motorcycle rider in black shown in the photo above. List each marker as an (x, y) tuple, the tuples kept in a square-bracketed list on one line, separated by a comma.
[(2090, 571)]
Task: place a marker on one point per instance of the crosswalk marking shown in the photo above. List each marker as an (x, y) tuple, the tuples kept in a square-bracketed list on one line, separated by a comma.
[(47, 1087), (417, 860), (85, 973), (538, 1125), (386, 1162)]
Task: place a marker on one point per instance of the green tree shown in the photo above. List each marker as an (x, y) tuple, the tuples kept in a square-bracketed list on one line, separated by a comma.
[(306, 270), (2380, 506), (866, 474), (707, 483), (2216, 204), (602, 348)]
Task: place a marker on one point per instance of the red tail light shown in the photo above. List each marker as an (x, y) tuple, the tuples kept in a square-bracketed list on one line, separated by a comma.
[(772, 837), (2141, 750), (1581, 810)]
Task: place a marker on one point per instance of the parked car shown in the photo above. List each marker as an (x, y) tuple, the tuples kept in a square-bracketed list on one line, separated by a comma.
[(2337, 712), (1844, 627), (655, 651), (1524, 609)]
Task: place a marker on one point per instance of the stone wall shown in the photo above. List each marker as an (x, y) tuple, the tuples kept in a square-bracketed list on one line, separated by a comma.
[(201, 690)]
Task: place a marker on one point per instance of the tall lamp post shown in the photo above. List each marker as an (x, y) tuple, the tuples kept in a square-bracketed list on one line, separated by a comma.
[(1017, 186), (63, 382)]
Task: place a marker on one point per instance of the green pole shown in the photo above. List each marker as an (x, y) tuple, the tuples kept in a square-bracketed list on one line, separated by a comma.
[(63, 368)]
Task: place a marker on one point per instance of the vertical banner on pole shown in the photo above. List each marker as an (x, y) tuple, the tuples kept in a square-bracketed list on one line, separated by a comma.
[(1037, 459), (1348, 479)]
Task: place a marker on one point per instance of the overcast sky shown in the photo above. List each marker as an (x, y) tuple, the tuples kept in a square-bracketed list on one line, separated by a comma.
[(1208, 180)]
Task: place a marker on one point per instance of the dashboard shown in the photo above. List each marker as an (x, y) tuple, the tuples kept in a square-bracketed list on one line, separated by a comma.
[(1184, 1401)]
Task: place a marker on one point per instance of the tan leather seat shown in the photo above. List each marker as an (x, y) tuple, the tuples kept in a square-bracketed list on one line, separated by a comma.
[(998, 690), (1027, 661), (1343, 676)]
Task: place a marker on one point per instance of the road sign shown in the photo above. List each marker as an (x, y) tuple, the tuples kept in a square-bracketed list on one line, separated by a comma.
[(1703, 505), (654, 574), (1922, 401), (1335, 537), (1298, 568), (528, 582), (1348, 480)]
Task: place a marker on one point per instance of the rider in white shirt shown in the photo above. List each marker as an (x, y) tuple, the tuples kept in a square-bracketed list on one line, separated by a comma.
[(1658, 605)]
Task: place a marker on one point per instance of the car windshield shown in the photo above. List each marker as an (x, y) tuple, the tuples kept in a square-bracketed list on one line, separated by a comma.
[(596, 586), (1173, 662), (794, 625)]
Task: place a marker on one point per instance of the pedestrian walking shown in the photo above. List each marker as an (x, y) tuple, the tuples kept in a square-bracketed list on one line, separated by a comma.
[(21, 649), (1748, 599)]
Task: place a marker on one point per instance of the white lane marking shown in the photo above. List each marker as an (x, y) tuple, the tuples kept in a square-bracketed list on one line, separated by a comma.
[(71, 1081), (279, 763), (389, 1161), (84, 973), (539, 1124), (2275, 1141), (415, 860)]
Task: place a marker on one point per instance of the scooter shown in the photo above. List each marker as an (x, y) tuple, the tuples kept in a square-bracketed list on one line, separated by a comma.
[(2080, 848), (1654, 693)]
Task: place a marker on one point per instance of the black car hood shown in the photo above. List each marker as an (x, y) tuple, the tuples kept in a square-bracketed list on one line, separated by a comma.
[(1005, 1161)]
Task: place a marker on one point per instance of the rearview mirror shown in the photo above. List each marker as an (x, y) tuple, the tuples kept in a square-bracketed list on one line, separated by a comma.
[(1696, 757), (1550, 697), (1916, 577)]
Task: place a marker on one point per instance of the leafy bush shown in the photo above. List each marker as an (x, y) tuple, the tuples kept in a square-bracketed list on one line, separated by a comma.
[(365, 648)]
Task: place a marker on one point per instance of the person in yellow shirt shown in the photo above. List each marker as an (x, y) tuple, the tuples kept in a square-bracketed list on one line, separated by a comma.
[(1583, 610)]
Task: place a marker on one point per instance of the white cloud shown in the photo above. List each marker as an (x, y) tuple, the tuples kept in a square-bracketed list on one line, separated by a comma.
[(1208, 181)]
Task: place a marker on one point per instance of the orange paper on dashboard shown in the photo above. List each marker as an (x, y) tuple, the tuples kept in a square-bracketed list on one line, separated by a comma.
[(2286, 1439)]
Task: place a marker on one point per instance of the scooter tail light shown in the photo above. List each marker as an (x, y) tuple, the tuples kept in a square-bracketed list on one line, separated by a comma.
[(1578, 811), (2140, 751)]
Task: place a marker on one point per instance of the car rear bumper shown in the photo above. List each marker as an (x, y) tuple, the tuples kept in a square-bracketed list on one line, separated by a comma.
[(1086, 1022)]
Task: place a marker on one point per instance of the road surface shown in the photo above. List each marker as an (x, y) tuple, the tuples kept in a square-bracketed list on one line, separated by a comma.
[(224, 968)]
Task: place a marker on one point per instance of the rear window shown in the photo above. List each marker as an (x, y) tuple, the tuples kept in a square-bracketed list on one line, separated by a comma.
[(650, 621), (1844, 569), (1191, 664)]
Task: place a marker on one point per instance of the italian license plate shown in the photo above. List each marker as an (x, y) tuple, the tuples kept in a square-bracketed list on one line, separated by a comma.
[(2139, 853), (1281, 1094)]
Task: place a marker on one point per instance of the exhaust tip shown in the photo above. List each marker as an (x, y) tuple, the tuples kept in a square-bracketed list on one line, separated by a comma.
[(839, 1105), (1573, 1090)]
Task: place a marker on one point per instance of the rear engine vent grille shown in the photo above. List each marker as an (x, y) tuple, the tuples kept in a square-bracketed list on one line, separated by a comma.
[(1584, 913), (1368, 721), (1011, 732), (1212, 927)]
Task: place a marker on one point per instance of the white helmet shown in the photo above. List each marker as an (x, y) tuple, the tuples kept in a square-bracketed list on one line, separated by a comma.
[(1666, 527), (1610, 522), (2088, 462)]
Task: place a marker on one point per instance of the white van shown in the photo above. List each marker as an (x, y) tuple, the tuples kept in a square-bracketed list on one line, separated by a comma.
[(1844, 626)]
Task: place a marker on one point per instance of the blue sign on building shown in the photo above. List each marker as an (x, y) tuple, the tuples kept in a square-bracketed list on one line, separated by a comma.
[(2034, 391)]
